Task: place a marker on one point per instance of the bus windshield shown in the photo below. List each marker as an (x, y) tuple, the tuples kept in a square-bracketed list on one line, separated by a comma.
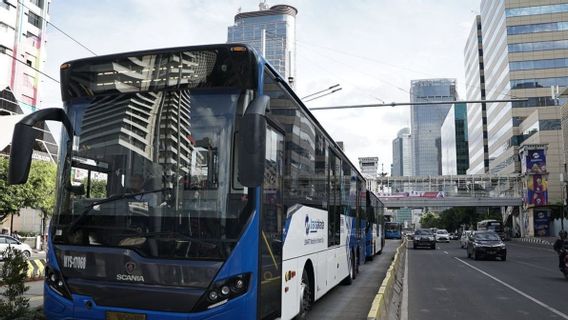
[(151, 172)]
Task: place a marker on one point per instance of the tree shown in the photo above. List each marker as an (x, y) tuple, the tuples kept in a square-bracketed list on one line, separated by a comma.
[(13, 304), (38, 192), (429, 220)]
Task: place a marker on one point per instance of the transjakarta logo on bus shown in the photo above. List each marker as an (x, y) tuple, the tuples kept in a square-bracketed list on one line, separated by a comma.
[(314, 225)]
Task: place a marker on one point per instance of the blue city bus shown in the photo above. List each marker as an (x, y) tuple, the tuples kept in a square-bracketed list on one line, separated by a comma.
[(193, 183), (375, 238), (393, 230)]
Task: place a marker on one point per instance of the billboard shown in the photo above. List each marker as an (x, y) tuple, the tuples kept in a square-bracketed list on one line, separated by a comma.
[(541, 223), (537, 190), (534, 161)]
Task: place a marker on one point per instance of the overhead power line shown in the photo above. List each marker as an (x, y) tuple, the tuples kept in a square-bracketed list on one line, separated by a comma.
[(23, 62), (63, 32), (395, 104)]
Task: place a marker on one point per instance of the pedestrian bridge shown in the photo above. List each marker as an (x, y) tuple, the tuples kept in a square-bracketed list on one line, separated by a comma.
[(448, 191)]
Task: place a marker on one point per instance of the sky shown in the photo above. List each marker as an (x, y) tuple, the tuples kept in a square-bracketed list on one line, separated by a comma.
[(372, 48)]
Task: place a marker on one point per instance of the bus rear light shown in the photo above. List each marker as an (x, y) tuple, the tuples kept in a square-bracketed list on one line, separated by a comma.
[(239, 49), (55, 281), (222, 291)]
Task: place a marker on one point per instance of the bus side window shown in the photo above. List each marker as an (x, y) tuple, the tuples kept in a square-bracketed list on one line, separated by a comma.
[(334, 202)]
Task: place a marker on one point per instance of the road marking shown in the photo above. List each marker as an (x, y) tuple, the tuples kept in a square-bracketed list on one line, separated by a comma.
[(535, 300), (404, 303), (446, 252)]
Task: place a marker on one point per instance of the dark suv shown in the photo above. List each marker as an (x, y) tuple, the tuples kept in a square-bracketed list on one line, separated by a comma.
[(484, 244), (424, 238)]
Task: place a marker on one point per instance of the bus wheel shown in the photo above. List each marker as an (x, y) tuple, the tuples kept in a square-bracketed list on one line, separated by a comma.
[(305, 297)]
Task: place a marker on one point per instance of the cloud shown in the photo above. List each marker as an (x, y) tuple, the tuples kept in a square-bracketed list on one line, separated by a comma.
[(372, 48)]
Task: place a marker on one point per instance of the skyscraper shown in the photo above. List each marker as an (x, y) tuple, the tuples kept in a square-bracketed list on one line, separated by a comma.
[(455, 153), (272, 32), (524, 54), (402, 154), (477, 112), (22, 54), (426, 121)]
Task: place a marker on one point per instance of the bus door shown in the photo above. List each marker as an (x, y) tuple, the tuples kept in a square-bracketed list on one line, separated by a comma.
[(272, 224), (334, 215)]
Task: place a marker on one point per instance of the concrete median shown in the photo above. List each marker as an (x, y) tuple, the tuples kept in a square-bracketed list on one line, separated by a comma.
[(387, 300), (36, 269)]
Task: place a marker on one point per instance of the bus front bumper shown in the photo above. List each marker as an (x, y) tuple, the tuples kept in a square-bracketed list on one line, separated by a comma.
[(84, 308)]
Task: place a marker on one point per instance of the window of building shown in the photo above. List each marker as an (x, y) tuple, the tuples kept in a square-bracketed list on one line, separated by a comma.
[(539, 27), (539, 64), (539, 83), (34, 20), (38, 3), (538, 46), (535, 102), (528, 11)]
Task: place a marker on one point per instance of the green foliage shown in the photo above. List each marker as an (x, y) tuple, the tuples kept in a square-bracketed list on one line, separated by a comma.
[(13, 304), (38, 192), (429, 220), (454, 218), (98, 188)]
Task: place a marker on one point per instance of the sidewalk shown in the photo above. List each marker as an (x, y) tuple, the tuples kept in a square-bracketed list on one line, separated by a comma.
[(545, 241)]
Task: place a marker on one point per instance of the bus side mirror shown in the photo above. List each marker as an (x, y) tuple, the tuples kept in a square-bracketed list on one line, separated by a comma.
[(252, 142), (23, 141)]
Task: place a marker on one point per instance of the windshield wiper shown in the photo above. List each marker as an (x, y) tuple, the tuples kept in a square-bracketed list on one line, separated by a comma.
[(73, 225)]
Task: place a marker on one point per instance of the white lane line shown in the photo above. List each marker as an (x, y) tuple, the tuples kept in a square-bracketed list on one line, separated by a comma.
[(446, 252), (535, 300), (404, 304)]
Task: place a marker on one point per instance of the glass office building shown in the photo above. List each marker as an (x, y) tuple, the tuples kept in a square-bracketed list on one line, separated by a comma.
[(402, 154), (477, 112), (426, 122), (525, 55), (277, 26), (455, 152)]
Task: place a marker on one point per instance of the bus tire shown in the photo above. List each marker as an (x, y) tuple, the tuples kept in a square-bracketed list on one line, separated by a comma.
[(305, 296), (351, 276)]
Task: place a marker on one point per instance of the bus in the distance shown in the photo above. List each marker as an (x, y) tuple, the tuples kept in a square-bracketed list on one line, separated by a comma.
[(393, 230), (493, 225), (374, 233), (193, 183)]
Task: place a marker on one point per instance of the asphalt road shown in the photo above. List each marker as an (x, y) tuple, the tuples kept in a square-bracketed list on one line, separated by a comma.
[(354, 301), (445, 284)]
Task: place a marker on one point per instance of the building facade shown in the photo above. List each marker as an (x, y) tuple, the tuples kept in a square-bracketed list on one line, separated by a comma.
[(369, 166), (402, 154), (22, 54), (426, 121), (525, 53), (476, 112), (272, 32), (455, 151)]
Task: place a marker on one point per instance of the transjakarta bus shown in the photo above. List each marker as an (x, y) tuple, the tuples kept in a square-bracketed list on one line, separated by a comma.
[(375, 238), (193, 184), (493, 225), (393, 230)]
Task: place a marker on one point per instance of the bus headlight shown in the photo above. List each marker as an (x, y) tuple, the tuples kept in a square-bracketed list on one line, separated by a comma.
[(54, 279), (220, 292)]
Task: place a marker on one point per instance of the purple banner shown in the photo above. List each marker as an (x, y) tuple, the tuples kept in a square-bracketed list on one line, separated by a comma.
[(535, 161), (537, 190)]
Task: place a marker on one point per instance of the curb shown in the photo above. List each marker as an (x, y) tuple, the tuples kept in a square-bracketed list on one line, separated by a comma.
[(379, 307), (36, 269), (533, 240)]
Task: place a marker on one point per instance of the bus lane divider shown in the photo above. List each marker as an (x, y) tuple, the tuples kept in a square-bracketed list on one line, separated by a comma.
[(388, 299), (36, 269)]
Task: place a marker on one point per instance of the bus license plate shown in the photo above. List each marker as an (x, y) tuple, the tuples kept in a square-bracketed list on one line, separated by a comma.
[(111, 315)]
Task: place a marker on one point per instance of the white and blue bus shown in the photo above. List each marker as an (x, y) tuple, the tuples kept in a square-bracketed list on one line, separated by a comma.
[(393, 230), (375, 238), (193, 183)]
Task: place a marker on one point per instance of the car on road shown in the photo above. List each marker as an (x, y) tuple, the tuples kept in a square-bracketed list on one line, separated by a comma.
[(410, 235), (424, 238), (465, 238), (454, 236), (7, 242), (442, 235), (486, 244)]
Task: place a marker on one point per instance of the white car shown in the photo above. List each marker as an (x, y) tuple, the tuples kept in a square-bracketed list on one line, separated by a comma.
[(442, 235), (10, 242)]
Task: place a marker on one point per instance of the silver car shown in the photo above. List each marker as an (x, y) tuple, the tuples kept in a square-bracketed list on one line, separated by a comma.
[(7, 242)]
